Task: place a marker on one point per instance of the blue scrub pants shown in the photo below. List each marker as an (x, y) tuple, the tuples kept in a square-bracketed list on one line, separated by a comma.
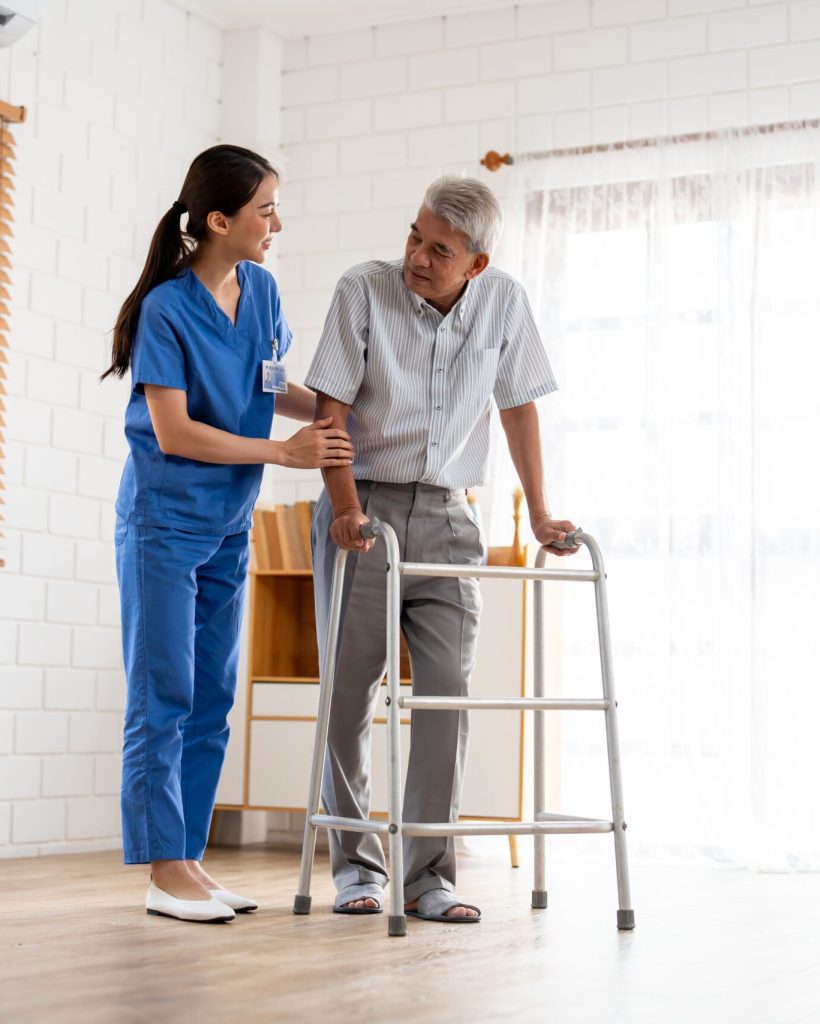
[(181, 597)]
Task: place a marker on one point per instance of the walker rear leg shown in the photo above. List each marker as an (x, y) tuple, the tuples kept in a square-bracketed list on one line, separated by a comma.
[(302, 899), (397, 921), (626, 915), (539, 891)]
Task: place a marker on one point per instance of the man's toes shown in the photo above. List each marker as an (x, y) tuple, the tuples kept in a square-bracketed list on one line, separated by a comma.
[(461, 912), (365, 904)]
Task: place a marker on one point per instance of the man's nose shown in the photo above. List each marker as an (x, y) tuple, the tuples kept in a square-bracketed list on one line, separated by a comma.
[(419, 258)]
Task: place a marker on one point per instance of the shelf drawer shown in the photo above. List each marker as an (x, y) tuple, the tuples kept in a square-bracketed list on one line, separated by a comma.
[(280, 763), (285, 700), (297, 700), (279, 770)]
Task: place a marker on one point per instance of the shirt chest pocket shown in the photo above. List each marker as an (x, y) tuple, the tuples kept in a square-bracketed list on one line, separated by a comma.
[(475, 374)]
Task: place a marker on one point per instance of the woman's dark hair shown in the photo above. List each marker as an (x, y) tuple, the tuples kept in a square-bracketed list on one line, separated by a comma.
[(223, 178)]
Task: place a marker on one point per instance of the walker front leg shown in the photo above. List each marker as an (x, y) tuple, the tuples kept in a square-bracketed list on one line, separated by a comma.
[(397, 920), (626, 915), (539, 888), (301, 902)]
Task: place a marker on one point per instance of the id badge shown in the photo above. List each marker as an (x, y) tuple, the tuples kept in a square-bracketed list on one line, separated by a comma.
[(274, 377)]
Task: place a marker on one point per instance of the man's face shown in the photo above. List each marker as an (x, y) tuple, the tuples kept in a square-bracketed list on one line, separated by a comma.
[(437, 264)]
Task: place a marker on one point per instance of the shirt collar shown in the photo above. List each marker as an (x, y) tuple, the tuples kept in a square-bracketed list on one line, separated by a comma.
[(421, 304)]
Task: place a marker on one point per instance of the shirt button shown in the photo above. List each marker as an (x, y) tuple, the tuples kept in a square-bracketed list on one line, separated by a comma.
[(439, 370), (435, 443), (438, 407), (443, 329)]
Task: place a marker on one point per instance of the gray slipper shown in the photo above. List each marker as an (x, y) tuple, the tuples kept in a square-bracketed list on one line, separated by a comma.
[(360, 891), (434, 904)]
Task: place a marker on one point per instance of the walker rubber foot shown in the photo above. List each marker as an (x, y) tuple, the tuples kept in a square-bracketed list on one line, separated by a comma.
[(539, 899), (626, 920), (397, 925), (301, 904)]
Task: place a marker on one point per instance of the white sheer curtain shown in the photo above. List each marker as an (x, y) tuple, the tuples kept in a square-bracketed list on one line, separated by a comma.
[(678, 290)]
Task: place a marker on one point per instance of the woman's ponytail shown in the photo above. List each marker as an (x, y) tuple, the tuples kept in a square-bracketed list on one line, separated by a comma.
[(167, 253), (222, 178)]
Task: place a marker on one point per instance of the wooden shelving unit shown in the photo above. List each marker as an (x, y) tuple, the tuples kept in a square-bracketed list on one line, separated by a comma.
[(282, 684), (283, 691)]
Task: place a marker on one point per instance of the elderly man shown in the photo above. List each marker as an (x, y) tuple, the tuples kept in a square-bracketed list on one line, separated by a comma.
[(412, 353)]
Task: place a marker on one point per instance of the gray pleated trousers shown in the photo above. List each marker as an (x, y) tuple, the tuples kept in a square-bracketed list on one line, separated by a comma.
[(439, 620)]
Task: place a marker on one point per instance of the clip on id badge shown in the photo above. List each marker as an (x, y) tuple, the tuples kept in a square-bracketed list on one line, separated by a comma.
[(274, 374)]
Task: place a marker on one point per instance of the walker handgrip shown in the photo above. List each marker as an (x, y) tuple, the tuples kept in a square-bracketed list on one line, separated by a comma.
[(371, 529), (570, 541)]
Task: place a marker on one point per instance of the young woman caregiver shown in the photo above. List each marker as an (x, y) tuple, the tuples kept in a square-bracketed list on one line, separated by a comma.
[(203, 334)]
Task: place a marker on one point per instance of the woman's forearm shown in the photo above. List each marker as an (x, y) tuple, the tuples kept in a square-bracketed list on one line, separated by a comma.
[(314, 446), (177, 434), (204, 443), (299, 403)]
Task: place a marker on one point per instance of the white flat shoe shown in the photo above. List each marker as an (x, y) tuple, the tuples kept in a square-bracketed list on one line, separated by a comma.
[(241, 904), (164, 905)]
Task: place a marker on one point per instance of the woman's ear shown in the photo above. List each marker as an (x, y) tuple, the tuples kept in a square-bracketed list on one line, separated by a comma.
[(217, 222)]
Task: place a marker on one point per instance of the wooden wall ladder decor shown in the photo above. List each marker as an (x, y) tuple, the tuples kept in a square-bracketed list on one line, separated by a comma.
[(8, 115)]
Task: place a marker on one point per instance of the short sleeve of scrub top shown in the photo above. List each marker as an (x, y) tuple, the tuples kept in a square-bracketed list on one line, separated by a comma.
[(282, 332), (157, 357), (184, 340)]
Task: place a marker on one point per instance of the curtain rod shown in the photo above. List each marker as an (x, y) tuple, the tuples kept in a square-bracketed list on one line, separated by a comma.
[(493, 160), (14, 114)]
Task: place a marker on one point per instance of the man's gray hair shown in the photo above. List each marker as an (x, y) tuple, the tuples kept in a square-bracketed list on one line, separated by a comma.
[(468, 206)]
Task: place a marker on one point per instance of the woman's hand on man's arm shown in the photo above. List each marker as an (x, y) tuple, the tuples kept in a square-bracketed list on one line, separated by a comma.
[(319, 445)]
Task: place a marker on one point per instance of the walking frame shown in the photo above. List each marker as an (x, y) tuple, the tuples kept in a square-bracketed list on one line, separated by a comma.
[(544, 823)]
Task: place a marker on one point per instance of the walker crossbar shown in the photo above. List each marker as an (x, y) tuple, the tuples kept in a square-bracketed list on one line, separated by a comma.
[(498, 572), (505, 828), (548, 823), (349, 824), (544, 823), (500, 704)]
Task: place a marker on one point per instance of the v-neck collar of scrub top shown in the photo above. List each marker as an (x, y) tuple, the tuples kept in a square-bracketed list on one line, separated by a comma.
[(232, 333)]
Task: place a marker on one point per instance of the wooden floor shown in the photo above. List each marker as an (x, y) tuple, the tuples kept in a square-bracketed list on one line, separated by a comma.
[(711, 946)]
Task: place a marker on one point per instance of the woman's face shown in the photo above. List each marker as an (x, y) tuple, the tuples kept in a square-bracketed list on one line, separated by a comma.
[(251, 230)]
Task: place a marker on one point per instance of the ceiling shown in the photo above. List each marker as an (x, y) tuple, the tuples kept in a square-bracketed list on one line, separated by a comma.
[(307, 17)]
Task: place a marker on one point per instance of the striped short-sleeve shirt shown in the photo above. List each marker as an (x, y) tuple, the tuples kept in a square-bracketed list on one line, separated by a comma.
[(420, 385)]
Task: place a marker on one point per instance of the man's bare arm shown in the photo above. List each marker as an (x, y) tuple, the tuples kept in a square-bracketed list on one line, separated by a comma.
[(524, 441), (340, 484)]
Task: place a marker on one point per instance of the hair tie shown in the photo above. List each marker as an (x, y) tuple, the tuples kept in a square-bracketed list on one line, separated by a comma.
[(179, 206)]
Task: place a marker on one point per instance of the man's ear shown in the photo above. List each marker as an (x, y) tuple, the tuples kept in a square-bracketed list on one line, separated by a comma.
[(217, 222), (480, 263)]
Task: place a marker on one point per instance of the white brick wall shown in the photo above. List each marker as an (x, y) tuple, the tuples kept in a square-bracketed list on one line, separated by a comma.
[(528, 77), (370, 116), (96, 167)]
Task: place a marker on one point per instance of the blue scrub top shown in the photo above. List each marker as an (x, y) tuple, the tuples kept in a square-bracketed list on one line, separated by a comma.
[(185, 340)]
